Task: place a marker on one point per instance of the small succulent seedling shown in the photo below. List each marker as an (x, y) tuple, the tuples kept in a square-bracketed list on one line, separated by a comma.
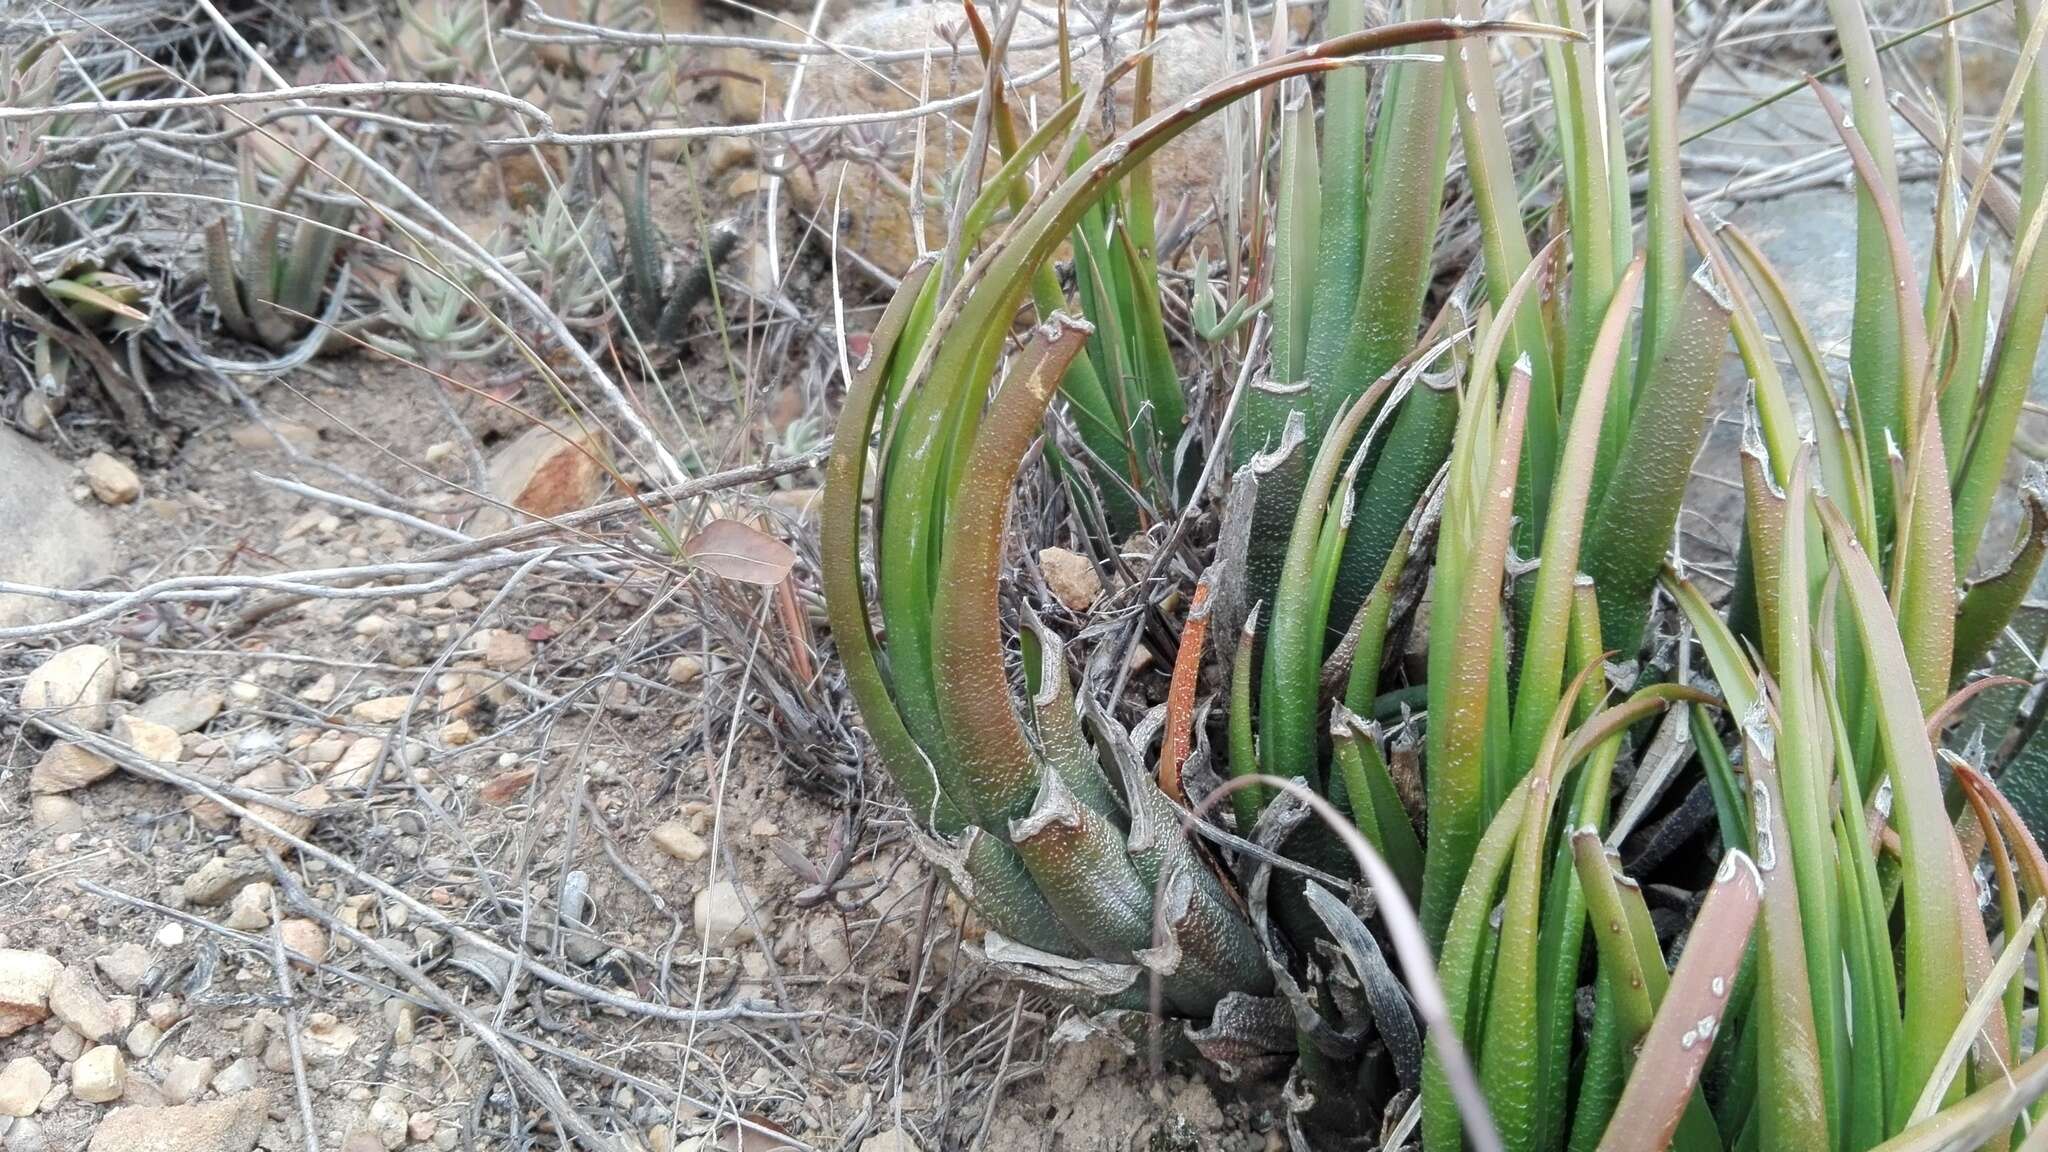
[(268, 265)]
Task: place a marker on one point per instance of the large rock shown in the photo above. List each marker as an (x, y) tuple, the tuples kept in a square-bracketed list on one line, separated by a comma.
[(76, 685), (543, 474), (876, 158), (182, 710), (64, 767), (229, 1125), (25, 982), (72, 546)]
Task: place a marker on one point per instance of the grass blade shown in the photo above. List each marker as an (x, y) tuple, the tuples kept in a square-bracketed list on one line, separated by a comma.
[(1411, 145), (1505, 250), (1664, 212), (1375, 803), (1877, 353), (1803, 774), (1340, 240), (1989, 995), (1290, 691), (1297, 226), (1543, 650), (1442, 1126), (1511, 1056), (1843, 471)]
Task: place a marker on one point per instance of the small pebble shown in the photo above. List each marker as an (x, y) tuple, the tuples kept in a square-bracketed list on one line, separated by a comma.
[(143, 1039), (99, 1076), (251, 909), (675, 838)]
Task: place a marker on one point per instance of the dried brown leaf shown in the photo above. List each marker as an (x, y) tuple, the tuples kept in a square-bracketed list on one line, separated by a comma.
[(740, 552)]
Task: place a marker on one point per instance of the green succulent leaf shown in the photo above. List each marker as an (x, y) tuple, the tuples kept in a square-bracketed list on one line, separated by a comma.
[(1639, 502)]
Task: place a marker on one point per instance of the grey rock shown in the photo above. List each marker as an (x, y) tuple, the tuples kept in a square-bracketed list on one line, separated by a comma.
[(219, 879), (182, 710), (187, 1079), (72, 545), (387, 1119), (124, 967), (56, 815), (27, 1136), (1808, 234)]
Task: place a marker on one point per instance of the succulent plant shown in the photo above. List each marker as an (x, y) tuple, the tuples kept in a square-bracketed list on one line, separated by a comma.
[(29, 76), (1835, 985), (437, 320), (659, 291), (559, 254), (85, 312), (1080, 861), (269, 282), (449, 41)]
